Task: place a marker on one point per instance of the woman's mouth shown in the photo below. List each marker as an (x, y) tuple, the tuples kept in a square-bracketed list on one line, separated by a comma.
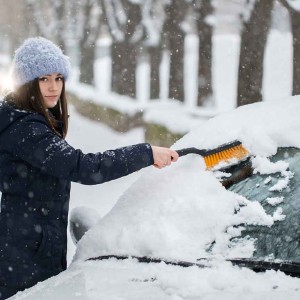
[(51, 97)]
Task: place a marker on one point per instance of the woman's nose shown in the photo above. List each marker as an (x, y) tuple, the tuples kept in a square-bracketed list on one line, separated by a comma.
[(52, 85)]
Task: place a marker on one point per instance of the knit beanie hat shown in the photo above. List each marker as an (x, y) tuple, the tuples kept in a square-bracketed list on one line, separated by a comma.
[(37, 57)]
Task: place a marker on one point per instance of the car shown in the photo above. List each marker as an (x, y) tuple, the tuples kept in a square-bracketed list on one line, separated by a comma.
[(186, 232)]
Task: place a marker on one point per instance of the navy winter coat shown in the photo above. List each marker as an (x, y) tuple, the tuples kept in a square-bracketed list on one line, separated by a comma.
[(36, 169)]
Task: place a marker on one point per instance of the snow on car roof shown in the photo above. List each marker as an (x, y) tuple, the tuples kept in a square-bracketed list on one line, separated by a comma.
[(183, 211)]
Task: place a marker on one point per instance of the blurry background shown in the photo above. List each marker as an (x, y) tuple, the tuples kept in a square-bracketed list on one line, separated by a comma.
[(164, 65)]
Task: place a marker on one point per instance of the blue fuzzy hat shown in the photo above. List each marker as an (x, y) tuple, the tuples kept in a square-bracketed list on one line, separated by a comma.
[(37, 57)]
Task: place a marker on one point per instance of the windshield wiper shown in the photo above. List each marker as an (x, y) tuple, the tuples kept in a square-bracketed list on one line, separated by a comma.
[(237, 173), (287, 267), (147, 259)]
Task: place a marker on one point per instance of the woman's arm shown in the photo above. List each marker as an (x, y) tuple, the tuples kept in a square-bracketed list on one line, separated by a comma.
[(34, 142)]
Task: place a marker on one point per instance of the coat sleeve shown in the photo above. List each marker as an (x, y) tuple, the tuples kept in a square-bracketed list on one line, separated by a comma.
[(34, 142)]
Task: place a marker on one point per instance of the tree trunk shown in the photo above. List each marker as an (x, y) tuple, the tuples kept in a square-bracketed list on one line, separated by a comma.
[(88, 40), (124, 63), (253, 41), (176, 83), (174, 37), (155, 60), (60, 12), (87, 59), (125, 51), (295, 20), (205, 54)]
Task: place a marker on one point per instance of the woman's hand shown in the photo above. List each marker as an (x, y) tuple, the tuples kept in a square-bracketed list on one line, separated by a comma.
[(163, 156)]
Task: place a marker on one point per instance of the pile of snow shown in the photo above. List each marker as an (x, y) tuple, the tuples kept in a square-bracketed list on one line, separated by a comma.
[(130, 280), (178, 212)]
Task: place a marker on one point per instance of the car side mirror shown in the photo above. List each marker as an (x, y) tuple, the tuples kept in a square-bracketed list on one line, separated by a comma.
[(82, 218)]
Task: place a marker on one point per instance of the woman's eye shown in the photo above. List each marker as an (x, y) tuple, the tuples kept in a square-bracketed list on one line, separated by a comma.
[(43, 79), (59, 78)]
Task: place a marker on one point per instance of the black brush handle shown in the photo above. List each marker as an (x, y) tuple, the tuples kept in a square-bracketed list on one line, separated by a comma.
[(185, 151), (206, 152)]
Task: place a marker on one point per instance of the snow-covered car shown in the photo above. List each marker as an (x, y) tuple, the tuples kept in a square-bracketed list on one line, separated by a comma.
[(188, 233)]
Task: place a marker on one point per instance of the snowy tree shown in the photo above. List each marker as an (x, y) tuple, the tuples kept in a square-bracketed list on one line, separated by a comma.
[(64, 20), (155, 54), (123, 18), (153, 18), (204, 31), (153, 27), (173, 38), (183, 17), (87, 24), (49, 19), (21, 27), (293, 7), (256, 24)]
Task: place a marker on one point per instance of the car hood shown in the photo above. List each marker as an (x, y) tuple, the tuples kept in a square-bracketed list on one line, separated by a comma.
[(129, 279), (183, 212)]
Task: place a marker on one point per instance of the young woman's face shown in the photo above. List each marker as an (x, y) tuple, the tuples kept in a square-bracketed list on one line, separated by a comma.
[(51, 87)]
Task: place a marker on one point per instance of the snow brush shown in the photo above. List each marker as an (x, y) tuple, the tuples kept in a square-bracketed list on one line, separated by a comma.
[(224, 153)]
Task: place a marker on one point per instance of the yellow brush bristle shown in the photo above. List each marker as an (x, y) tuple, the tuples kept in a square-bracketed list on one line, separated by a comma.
[(237, 152)]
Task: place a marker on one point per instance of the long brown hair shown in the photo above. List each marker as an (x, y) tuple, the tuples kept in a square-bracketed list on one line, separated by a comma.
[(29, 97)]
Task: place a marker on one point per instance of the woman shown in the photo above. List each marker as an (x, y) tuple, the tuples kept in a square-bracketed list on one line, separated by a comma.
[(37, 166)]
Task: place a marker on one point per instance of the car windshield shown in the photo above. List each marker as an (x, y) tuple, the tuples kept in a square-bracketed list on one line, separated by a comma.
[(281, 241)]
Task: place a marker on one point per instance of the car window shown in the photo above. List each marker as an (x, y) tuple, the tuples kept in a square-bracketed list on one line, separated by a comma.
[(282, 239)]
